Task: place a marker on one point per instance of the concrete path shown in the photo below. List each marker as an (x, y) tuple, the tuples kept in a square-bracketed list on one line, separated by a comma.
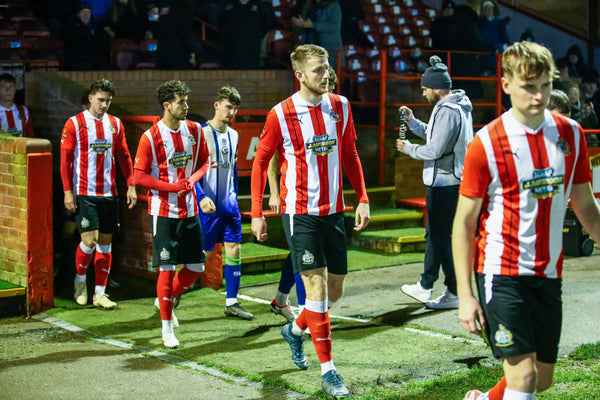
[(44, 361)]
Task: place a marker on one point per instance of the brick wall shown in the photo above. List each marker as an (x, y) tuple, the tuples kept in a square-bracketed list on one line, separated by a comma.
[(13, 212), (408, 178)]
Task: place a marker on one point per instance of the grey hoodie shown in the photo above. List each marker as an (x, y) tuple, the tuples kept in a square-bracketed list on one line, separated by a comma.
[(449, 130)]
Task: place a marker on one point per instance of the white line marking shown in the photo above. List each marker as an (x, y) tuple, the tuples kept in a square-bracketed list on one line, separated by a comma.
[(368, 320), (167, 357)]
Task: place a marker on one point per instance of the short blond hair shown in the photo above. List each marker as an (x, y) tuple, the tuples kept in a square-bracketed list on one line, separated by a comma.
[(528, 60), (302, 53)]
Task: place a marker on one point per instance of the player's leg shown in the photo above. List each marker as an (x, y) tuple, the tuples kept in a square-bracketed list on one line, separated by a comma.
[(280, 304), (232, 237), (108, 220), (164, 293), (88, 225)]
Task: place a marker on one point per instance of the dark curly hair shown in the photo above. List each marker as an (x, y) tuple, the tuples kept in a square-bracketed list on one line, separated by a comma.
[(102, 85), (168, 90)]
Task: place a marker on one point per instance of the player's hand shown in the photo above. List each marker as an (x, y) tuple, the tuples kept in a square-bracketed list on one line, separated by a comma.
[(259, 228), (400, 144), (207, 205), (408, 114), (70, 203), (182, 187), (131, 197), (275, 204), (362, 216), (470, 315)]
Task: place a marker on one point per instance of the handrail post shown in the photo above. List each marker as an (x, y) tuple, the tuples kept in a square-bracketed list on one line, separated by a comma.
[(498, 84), (382, 107)]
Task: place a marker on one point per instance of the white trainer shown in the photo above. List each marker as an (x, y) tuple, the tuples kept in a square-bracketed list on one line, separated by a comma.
[(446, 301), (417, 292), (174, 320), (102, 301), (169, 340), (80, 293)]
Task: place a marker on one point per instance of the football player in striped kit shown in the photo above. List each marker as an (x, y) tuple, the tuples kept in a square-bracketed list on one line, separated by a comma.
[(172, 156), (520, 172), (314, 136), (89, 144), (216, 194), (14, 118)]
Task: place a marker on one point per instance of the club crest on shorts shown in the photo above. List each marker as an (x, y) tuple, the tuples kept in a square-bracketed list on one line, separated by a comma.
[(85, 223), (503, 337), (308, 258), (164, 254)]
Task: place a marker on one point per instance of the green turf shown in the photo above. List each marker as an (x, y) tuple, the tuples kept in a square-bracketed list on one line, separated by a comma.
[(379, 361), (7, 285), (398, 232)]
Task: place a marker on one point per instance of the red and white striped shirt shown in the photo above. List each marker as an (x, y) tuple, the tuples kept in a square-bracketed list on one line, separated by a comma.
[(313, 142), (16, 121), (88, 148), (169, 156), (524, 177)]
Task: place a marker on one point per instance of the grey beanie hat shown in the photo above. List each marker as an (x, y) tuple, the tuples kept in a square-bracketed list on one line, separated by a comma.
[(436, 76)]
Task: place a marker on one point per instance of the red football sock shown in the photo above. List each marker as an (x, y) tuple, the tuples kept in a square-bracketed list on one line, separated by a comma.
[(183, 280), (164, 291), (301, 321), (320, 332), (83, 259), (102, 267), (497, 392)]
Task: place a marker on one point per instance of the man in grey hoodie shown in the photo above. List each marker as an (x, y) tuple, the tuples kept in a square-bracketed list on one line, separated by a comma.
[(449, 130)]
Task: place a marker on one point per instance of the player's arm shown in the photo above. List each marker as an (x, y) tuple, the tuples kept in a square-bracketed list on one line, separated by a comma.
[(124, 158), (274, 200), (268, 142), (354, 172), (141, 175), (67, 157), (586, 208), (463, 250), (445, 129)]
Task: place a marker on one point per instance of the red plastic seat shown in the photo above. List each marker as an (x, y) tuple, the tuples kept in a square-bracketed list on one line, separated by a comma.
[(16, 42), (147, 54), (123, 53), (7, 28), (280, 44), (34, 28)]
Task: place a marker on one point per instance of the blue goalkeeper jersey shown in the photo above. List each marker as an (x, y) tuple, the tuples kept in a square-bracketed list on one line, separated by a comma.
[(220, 181)]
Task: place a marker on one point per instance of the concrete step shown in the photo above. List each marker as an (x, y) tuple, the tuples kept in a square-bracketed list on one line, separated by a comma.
[(12, 300), (391, 218), (402, 240), (417, 203)]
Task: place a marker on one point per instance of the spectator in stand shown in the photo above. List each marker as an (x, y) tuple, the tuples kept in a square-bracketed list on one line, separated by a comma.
[(86, 45), (126, 20), (56, 14), (14, 119), (244, 24), (574, 58), (172, 25), (327, 25), (589, 90), (563, 82), (493, 34), (101, 9), (351, 32), (305, 9), (580, 111), (527, 36)]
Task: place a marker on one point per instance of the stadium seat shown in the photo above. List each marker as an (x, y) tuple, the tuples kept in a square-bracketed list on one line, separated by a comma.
[(280, 43), (7, 28), (34, 28), (123, 53), (358, 62), (16, 42), (48, 43), (283, 15), (282, 3), (147, 54)]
